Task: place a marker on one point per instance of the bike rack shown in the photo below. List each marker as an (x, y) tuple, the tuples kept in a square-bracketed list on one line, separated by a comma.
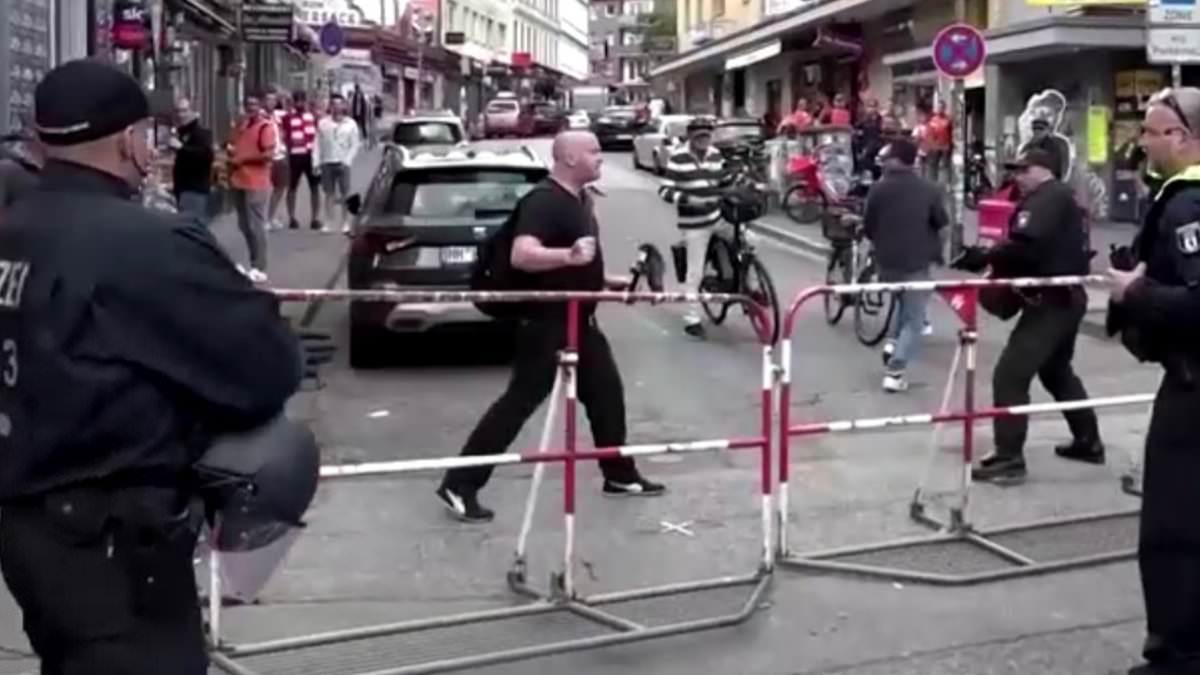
[(957, 528), (562, 595)]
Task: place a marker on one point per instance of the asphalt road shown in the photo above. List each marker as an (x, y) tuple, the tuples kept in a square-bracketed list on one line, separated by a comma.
[(383, 550)]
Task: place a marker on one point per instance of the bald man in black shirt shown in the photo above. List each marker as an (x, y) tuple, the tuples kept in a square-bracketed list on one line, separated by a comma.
[(555, 248)]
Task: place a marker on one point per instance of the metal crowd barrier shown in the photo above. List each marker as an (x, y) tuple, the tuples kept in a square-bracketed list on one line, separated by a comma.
[(964, 298), (562, 594)]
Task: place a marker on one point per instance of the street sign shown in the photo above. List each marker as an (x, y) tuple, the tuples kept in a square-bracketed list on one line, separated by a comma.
[(262, 22), (959, 50), (333, 38), (1172, 32)]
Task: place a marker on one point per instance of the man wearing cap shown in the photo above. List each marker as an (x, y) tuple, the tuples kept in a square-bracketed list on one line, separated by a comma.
[(127, 341), (1155, 307), (1046, 239)]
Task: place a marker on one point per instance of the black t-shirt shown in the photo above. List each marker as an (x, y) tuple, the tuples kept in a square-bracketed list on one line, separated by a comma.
[(557, 218)]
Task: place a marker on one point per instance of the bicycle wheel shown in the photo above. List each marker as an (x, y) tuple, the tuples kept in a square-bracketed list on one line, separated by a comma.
[(718, 277), (756, 283), (872, 311), (836, 272), (802, 205)]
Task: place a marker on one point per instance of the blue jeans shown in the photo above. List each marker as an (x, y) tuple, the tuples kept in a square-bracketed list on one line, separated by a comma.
[(909, 321), (194, 204)]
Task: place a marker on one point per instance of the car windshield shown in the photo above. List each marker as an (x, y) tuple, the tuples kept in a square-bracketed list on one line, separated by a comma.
[(620, 113), (426, 133), (737, 132), (502, 106), (459, 192), (547, 110), (675, 128)]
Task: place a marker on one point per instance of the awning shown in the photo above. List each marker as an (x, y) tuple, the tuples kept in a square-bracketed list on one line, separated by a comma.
[(767, 51), (1064, 34), (207, 16), (915, 67), (776, 27)]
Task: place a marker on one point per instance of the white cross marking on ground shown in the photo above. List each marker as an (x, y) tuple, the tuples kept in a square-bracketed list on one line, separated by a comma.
[(681, 528)]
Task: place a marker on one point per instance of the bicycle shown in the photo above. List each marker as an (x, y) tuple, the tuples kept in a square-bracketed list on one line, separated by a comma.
[(731, 265), (852, 260)]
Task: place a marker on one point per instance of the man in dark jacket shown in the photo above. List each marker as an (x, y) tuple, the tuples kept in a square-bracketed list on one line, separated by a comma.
[(903, 219), (20, 164), (1156, 308), (128, 340), (192, 174)]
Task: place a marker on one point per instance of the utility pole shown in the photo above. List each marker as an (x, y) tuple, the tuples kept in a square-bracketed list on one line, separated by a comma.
[(958, 170)]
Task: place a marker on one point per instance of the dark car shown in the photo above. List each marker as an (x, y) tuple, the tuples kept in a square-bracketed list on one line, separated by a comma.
[(548, 118), (421, 131), (419, 228), (738, 133), (616, 127)]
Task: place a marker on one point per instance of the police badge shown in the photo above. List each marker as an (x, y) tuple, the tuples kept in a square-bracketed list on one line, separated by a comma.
[(1187, 238)]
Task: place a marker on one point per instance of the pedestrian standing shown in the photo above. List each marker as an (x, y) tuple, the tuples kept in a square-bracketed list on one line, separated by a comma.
[(555, 246), (130, 340), (695, 177), (336, 147), (299, 135), (904, 217), (252, 154), (276, 108), (939, 135), (1046, 239), (1156, 308), (192, 172)]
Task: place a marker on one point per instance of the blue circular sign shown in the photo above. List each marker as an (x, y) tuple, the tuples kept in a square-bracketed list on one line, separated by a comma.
[(333, 38), (959, 50)]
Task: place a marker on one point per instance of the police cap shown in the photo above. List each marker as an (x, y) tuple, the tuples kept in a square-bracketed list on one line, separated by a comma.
[(86, 100), (1033, 157)]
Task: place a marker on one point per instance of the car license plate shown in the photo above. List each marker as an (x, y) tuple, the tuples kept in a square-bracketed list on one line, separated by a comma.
[(458, 255)]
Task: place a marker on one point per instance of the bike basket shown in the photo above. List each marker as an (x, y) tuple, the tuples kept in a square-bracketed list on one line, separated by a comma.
[(839, 226), (742, 206)]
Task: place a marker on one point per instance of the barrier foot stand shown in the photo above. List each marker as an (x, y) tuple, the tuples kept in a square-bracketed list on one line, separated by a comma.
[(228, 665), (917, 509), (517, 576)]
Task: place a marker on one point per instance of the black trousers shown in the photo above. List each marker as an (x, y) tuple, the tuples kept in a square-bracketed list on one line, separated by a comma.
[(599, 388), (1041, 344), (1169, 538), (105, 581)]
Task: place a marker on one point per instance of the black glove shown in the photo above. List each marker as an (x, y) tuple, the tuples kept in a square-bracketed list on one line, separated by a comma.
[(972, 259), (1121, 258)]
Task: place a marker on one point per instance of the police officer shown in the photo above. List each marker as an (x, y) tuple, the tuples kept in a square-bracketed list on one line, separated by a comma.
[(1046, 239), (1156, 308), (127, 341)]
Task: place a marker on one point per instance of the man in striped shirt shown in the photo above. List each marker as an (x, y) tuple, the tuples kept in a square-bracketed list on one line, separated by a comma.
[(299, 134), (695, 177)]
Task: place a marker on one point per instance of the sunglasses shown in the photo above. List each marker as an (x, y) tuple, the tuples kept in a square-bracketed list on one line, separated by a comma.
[(1167, 97)]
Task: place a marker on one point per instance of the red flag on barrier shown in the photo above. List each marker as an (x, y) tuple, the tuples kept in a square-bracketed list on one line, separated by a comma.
[(963, 301)]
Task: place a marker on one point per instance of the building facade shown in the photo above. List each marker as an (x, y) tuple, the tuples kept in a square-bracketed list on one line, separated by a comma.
[(573, 39), (626, 42)]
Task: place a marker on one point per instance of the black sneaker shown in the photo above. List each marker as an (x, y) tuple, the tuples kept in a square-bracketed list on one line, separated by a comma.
[(1091, 452), (1000, 471), (695, 330), (639, 487), (293, 224), (316, 225), (464, 507)]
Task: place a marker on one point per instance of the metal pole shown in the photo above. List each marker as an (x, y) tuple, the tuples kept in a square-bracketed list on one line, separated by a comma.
[(1176, 75), (958, 173)]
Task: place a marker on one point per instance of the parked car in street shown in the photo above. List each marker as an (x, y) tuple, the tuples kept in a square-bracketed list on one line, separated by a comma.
[(737, 131), (429, 130), (420, 226), (616, 127), (653, 144), (502, 117), (579, 119), (548, 118)]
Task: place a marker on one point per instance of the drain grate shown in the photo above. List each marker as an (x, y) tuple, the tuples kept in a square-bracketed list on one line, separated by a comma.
[(1073, 540), (379, 653), (938, 557)]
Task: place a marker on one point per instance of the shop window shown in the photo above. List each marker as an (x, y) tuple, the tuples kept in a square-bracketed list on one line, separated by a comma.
[(610, 9)]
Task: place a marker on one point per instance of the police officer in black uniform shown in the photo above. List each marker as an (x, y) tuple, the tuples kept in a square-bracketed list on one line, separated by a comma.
[(1156, 309), (127, 341), (1046, 239)]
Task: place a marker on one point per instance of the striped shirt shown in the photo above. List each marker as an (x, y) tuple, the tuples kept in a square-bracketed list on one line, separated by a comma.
[(694, 184), (299, 132)]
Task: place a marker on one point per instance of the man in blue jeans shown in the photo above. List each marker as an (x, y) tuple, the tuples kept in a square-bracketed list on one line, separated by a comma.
[(905, 214)]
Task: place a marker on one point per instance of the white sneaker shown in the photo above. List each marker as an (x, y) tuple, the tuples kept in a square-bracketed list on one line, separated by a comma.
[(257, 276), (927, 329), (346, 227), (889, 348), (894, 383)]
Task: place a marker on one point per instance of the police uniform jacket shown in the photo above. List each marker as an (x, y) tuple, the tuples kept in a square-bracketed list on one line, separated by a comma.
[(1046, 236), (127, 338), (1165, 305)]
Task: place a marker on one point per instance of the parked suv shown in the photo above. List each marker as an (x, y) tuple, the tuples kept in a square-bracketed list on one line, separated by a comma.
[(420, 227), (502, 117)]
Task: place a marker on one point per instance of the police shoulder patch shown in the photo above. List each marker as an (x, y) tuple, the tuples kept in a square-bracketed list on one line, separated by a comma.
[(1187, 238)]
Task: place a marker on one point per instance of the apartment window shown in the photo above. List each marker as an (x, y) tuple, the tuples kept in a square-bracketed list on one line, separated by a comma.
[(610, 9), (501, 36), (718, 8)]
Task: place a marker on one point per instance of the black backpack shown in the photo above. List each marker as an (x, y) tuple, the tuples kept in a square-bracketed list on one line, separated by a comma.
[(493, 271)]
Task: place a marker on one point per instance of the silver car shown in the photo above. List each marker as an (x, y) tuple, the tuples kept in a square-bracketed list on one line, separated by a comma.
[(652, 146)]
